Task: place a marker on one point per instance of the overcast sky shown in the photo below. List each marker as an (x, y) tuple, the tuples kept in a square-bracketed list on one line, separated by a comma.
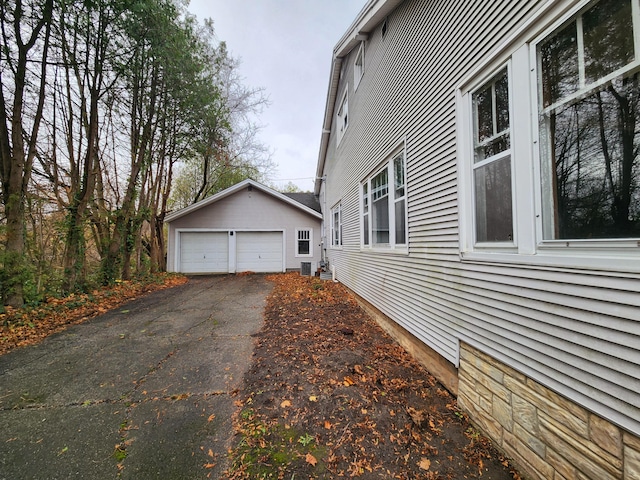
[(285, 47)]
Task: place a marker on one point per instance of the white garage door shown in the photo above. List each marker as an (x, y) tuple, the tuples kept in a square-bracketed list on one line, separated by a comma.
[(204, 252), (259, 252)]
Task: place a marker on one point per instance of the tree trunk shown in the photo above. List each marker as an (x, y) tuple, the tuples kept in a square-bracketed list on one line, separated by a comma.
[(16, 164)]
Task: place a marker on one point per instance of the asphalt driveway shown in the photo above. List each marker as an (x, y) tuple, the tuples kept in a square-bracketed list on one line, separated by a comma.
[(142, 392)]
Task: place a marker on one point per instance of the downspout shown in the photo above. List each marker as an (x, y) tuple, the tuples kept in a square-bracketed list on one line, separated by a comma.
[(324, 225)]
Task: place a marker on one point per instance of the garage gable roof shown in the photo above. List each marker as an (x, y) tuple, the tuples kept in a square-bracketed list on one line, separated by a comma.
[(236, 188)]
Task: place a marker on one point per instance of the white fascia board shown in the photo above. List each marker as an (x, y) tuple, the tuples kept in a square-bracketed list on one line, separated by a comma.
[(236, 188), (369, 17)]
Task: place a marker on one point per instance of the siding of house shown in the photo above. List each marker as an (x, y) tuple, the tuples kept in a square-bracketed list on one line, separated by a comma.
[(574, 331), (253, 210)]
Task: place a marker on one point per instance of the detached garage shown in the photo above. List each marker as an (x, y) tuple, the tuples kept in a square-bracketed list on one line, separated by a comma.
[(247, 227)]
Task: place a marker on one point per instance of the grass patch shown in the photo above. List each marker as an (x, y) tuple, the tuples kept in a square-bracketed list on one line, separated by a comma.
[(270, 450)]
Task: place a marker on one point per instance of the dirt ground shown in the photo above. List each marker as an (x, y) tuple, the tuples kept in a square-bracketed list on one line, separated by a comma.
[(330, 395)]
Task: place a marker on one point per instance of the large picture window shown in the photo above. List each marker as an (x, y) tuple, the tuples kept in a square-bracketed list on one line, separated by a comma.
[(384, 205), (492, 161), (589, 115)]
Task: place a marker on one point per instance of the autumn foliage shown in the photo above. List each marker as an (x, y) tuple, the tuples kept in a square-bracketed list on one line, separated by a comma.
[(330, 395), (29, 325)]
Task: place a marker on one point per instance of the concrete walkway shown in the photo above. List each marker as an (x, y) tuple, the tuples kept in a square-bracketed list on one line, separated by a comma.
[(143, 392)]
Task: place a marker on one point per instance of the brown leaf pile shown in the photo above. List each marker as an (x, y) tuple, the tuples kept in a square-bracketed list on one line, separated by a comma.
[(330, 395), (30, 325)]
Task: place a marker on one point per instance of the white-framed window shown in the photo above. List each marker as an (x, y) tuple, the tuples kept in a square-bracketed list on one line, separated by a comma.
[(304, 242), (589, 119), (358, 66), (384, 205), (550, 175), (336, 225), (342, 117), (493, 216)]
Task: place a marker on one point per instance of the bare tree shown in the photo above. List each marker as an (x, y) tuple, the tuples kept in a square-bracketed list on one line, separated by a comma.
[(26, 31)]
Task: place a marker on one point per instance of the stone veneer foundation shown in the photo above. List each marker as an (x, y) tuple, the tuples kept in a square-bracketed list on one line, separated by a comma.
[(548, 436)]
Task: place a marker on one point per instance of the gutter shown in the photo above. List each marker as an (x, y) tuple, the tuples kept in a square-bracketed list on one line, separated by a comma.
[(371, 15)]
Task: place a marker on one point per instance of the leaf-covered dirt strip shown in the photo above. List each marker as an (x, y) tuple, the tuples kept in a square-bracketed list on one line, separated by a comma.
[(30, 325), (330, 395)]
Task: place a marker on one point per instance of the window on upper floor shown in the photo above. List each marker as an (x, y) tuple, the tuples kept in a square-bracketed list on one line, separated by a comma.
[(336, 225), (553, 172), (304, 239), (384, 206), (342, 117), (358, 66)]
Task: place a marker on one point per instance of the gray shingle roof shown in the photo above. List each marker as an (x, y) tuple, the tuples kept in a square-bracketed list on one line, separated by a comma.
[(307, 199)]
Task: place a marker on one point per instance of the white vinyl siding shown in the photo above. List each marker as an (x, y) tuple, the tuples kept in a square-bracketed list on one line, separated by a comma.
[(570, 323), (246, 211)]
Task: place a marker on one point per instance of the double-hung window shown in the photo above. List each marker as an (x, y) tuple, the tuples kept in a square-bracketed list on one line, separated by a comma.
[(384, 205), (589, 123), (336, 225), (303, 242), (552, 173), (492, 161)]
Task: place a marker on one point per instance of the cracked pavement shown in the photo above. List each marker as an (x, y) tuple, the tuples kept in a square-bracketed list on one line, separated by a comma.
[(142, 392)]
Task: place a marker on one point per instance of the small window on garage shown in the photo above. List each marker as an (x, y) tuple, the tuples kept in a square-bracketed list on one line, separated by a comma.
[(303, 242)]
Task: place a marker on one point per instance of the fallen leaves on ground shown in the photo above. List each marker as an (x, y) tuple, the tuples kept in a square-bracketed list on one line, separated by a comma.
[(330, 395), (30, 325)]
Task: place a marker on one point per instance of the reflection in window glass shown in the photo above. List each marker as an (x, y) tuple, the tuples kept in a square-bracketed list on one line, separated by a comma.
[(502, 103), (380, 207), (591, 141), (492, 170), (491, 105), (559, 60), (401, 228), (608, 38), (399, 180), (484, 114), (596, 165), (365, 213)]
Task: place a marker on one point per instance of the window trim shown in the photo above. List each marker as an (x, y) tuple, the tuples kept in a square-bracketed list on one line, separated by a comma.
[(520, 49), (336, 244), (310, 240), (476, 165), (359, 65), (388, 165), (551, 246), (342, 115)]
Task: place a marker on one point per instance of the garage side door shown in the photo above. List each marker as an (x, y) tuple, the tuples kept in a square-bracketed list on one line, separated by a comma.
[(259, 252), (204, 252)]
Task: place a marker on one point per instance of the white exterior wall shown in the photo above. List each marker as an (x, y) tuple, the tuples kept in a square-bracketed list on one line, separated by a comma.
[(573, 330), (250, 211)]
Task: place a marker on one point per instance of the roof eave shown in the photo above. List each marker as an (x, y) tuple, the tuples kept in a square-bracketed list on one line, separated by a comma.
[(236, 188), (369, 17)]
